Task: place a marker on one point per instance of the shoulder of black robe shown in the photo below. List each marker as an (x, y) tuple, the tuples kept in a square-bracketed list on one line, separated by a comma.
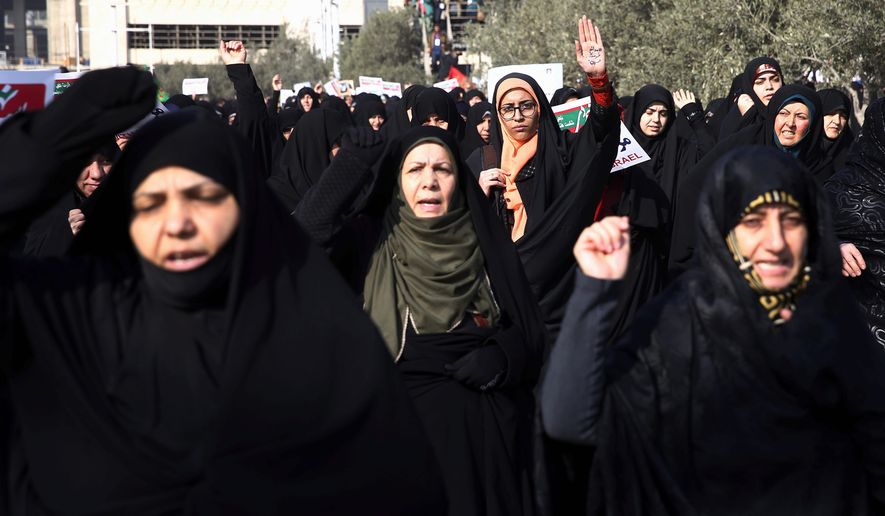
[(397, 120), (571, 172), (472, 140), (249, 425), (336, 104), (306, 154), (704, 387), (435, 101), (832, 100), (50, 234)]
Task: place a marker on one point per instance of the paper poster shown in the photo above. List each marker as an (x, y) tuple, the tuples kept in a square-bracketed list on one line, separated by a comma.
[(629, 152), (29, 90), (571, 116), (372, 85), (298, 85), (392, 89), (332, 88), (158, 111), (63, 81), (195, 86), (549, 76), (346, 87), (284, 95), (448, 85)]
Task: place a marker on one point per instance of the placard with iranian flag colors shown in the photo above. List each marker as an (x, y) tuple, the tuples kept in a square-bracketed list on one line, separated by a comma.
[(372, 85), (392, 89), (63, 81), (28, 90), (571, 116)]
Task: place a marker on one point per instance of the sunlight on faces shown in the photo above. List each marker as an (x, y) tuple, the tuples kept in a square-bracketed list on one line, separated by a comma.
[(93, 175), (436, 121), (181, 218), (483, 129), (376, 122), (766, 85), (654, 119), (428, 180), (835, 123), (774, 238), (520, 127), (791, 123)]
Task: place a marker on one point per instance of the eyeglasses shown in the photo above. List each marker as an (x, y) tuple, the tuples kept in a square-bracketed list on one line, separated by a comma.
[(526, 109)]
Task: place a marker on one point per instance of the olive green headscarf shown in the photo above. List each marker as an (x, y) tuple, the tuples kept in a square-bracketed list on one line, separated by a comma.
[(428, 269)]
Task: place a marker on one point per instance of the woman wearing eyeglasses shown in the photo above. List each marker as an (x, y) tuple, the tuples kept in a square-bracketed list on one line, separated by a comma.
[(544, 183)]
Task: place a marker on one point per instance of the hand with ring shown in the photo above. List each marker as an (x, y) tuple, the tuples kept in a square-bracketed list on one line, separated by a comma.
[(491, 178)]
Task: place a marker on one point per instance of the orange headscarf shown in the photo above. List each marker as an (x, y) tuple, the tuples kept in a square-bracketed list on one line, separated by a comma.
[(514, 156)]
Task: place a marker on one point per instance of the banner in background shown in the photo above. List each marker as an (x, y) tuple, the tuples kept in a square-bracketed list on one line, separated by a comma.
[(29, 90), (549, 76), (195, 86)]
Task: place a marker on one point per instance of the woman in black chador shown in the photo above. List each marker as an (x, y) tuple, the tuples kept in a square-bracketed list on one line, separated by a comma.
[(750, 386), (445, 287), (858, 191), (196, 355)]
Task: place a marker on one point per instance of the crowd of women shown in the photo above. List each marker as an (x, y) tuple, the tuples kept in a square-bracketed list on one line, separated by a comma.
[(443, 304)]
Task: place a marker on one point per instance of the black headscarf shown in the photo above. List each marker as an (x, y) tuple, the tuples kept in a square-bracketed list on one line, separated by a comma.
[(704, 387), (733, 120), (833, 100), (306, 154), (396, 121), (475, 116), (365, 109), (457, 94), (288, 118), (808, 151), (308, 91), (338, 104), (215, 408), (474, 93), (561, 95), (410, 96), (434, 101)]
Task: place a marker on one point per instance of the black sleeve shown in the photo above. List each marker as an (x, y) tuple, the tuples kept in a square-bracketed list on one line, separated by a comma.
[(254, 122), (574, 383), (329, 204), (695, 117), (273, 104), (600, 119)]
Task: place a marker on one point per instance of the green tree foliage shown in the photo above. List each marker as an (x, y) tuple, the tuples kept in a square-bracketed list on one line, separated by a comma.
[(292, 58), (389, 46), (699, 45)]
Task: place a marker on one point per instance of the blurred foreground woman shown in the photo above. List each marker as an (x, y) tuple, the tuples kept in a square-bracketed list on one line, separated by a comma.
[(186, 359), (750, 386)]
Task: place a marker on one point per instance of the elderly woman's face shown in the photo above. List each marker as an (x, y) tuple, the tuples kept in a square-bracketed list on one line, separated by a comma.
[(791, 123), (428, 180), (835, 123), (181, 218), (524, 111), (774, 237)]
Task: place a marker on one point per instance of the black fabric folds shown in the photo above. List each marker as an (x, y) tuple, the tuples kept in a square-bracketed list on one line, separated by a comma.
[(858, 193), (704, 388), (366, 109), (434, 101), (280, 399), (307, 154)]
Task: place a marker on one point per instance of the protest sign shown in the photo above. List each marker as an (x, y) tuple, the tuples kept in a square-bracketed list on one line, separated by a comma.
[(448, 85), (333, 88), (284, 95), (372, 85), (346, 87), (571, 116), (195, 86), (393, 89), (629, 152), (25, 91), (158, 111), (549, 76), (63, 81), (298, 85)]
